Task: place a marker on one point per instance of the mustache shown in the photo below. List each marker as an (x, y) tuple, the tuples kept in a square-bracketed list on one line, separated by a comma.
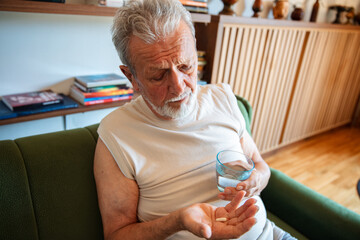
[(182, 96)]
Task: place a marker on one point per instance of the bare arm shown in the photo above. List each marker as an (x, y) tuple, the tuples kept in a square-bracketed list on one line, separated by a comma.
[(118, 201), (258, 179)]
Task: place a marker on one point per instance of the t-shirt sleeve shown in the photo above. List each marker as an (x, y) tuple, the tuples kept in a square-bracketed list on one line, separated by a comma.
[(107, 134), (236, 113)]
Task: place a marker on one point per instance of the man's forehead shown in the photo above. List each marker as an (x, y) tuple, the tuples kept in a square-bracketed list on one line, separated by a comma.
[(175, 60)]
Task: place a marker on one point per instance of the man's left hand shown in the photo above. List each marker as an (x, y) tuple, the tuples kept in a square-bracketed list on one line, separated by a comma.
[(252, 187)]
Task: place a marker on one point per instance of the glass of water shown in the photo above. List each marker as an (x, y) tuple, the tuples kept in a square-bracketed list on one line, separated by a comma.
[(232, 167)]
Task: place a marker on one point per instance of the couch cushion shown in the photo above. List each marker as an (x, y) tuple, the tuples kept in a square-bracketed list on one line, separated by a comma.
[(93, 130), (246, 111), (284, 226), (16, 211), (60, 171)]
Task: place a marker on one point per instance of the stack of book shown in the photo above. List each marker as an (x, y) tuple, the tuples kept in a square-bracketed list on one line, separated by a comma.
[(103, 88), (201, 65), (22, 104), (196, 6)]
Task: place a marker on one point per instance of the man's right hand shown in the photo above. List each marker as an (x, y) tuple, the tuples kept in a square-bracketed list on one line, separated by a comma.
[(201, 219)]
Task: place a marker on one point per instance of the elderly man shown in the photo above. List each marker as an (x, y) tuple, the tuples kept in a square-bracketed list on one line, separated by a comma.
[(155, 159)]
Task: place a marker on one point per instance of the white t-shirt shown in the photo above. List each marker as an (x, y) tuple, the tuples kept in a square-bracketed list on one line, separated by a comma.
[(173, 161)]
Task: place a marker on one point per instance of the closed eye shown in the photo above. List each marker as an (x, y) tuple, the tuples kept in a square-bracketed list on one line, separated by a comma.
[(186, 68), (159, 76)]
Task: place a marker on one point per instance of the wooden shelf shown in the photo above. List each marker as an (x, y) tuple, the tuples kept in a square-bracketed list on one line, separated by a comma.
[(72, 9), (55, 8), (64, 112), (225, 19)]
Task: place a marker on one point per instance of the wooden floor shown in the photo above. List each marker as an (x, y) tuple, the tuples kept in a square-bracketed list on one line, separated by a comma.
[(328, 163)]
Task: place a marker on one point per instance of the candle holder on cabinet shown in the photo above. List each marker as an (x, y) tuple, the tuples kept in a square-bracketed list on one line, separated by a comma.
[(227, 10)]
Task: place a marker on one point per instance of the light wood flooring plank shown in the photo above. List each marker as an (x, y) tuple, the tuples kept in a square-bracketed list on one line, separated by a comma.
[(328, 163)]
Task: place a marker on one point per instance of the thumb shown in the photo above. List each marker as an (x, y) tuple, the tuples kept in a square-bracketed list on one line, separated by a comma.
[(205, 231)]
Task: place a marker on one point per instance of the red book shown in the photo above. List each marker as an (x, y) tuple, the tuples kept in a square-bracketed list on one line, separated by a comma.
[(102, 93), (31, 100)]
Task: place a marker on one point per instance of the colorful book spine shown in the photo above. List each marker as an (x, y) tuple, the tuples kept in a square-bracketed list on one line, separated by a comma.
[(115, 99), (106, 98), (111, 92), (78, 95), (193, 3), (100, 89)]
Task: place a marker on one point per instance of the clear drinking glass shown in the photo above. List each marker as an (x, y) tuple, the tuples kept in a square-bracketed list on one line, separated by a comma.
[(232, 167)]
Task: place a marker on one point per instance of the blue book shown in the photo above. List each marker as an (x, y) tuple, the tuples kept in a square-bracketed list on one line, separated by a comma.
[(6, 113), (101, 80), (106, 97)]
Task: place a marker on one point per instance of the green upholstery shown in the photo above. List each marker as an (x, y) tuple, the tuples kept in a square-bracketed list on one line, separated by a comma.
[(47, 191), (246, 111), (17, 218), (48, 188)]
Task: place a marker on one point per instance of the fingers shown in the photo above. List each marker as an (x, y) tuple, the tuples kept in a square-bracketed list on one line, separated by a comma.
[(239, 229), (242, 186), (235, 201), (228, 194), (250, 212), (238, 212), (244, 214), (205, 231), (245, 226), (251, 186)]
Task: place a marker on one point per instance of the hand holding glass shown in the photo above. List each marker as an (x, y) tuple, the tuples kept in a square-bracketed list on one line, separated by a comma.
[(232, 167)]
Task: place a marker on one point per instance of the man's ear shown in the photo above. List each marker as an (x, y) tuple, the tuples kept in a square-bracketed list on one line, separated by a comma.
[(126, 71)]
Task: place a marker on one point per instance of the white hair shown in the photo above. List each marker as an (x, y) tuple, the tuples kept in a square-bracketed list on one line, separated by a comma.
[(149, 20)]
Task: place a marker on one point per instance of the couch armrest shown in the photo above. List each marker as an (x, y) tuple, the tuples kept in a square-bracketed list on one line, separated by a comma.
[(312, 214)]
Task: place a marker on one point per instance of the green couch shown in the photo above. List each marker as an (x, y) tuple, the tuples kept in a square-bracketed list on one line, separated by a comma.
[(47, 191)]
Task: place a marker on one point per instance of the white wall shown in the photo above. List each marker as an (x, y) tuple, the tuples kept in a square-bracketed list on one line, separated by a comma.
[(40, 50)]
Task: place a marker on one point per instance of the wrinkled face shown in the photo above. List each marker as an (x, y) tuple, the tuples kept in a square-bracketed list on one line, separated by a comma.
[(166, 72)]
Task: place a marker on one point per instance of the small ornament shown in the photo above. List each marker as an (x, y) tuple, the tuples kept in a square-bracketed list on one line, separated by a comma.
[(314, 11), (257, 7), (297, 14), (281, 9)]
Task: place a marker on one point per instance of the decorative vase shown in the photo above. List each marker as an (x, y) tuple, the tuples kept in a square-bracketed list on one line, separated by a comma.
[(314, 11), (227, 10), (339, 9), (257, 7), (297, 14), (281, 9)]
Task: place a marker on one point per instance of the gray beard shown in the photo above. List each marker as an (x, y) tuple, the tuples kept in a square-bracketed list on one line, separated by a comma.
[(175, 113)]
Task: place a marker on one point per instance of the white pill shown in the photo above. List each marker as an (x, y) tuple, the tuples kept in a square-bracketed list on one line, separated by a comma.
[(221, 219)]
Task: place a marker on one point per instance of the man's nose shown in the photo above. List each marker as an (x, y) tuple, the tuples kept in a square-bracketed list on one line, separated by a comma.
[(177, 84)]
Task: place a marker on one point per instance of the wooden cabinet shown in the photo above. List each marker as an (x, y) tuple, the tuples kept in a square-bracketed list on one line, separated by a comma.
[(301, 78)]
